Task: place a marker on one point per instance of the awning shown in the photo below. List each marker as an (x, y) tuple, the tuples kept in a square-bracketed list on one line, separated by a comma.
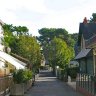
[(83, 53), (17, 63)]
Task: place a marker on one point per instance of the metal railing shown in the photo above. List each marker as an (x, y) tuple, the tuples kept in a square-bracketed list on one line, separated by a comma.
[(88, 82)]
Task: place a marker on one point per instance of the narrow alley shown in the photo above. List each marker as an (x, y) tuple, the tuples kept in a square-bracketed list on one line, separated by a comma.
[(48, 85)]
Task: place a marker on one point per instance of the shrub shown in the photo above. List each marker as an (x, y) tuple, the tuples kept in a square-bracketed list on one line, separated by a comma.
[(72, 72), (41, 67), (22, 76), (63, 74)]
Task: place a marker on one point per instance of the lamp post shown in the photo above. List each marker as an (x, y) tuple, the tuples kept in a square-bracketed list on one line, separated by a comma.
[(57, 70)]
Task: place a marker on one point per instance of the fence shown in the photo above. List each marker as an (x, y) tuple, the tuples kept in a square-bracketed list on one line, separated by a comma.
[(5, 83), (87, 82)]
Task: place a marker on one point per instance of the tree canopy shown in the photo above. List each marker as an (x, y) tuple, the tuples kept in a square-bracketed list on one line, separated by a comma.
[(47, 34), (28, 47), (12, 32), (61, 41), (22, 44), (60, 53), (93, 18)]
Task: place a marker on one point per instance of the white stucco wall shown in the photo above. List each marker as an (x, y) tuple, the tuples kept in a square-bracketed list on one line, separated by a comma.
[(1, 38), (2, 64), (1, 34)]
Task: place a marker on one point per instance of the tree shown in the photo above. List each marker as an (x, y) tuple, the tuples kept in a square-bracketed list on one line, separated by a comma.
[(93, 18), (60, 54), (21, 30), (74, 36), (29, 48), (48, 34), (12, 33), (22, 44), (9, 38)]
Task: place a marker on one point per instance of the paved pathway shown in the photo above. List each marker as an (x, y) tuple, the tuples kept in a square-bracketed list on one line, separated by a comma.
[(47, 85)]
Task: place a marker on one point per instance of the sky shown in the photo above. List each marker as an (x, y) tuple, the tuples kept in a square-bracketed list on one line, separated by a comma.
[(37, 14)]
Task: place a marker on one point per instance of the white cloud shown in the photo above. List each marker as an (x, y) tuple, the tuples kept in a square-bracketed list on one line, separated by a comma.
[(33, 5), (71, 17), (46, 13)]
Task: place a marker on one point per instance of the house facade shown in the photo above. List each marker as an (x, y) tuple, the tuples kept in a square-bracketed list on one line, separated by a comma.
[(87, 58)]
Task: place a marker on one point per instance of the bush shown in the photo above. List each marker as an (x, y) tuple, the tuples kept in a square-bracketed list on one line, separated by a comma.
[(63, 74), (72, 72), (41, 67), (22, 76)]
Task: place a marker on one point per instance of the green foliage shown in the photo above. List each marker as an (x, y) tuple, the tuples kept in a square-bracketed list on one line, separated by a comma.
[(8, 35), (72, 71), (15, 30), (74, 36), (59, 53), (22, 76), (93, 18), (46, 38), (21, 30), (29, 48), (11, 33), (22, 44), (63, 74), (47, 34)]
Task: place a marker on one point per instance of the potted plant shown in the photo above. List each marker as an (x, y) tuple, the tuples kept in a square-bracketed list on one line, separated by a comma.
[(22, 81)]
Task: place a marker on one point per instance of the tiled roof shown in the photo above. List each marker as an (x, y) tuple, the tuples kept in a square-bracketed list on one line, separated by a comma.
[(83, 53), (88, 30), (17, 63)]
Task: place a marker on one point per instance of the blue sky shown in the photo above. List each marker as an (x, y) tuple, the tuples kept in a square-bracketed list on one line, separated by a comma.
[(36, 14)]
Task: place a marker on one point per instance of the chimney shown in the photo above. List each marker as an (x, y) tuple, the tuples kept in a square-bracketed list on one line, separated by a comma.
[(85, 20)]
